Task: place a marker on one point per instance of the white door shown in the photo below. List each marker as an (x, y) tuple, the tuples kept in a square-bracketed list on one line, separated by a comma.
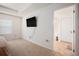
[(67, 28)]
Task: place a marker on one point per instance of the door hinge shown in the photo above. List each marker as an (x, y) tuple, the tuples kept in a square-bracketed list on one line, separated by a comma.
[(73, 11), (73, 31)]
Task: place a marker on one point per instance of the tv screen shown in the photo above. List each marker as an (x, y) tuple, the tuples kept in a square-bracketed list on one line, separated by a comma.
[(31, 22)]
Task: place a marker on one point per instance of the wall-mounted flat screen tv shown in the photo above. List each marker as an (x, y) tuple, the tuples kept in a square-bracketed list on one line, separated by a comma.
[(31, 22)]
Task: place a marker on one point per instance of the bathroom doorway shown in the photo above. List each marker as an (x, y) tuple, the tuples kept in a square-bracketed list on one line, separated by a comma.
[(64, 30)]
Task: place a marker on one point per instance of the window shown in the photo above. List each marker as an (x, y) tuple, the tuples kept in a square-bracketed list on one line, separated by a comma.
[(5, 26)]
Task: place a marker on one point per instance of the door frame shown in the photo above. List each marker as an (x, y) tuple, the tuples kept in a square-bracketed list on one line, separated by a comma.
[(76, 41), (74, 47)]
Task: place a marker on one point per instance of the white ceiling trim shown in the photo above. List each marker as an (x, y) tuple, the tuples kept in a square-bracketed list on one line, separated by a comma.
[(6, 13), (19, 7), (8, 8)]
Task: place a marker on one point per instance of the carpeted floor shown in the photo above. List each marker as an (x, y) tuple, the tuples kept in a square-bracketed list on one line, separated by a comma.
[(21, 47)]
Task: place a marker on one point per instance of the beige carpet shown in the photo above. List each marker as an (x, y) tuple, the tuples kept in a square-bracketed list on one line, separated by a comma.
[(21, 47)]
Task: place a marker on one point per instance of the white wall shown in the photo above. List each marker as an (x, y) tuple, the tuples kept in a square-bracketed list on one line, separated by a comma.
[(15, 29), (57, 25), (44, 29)]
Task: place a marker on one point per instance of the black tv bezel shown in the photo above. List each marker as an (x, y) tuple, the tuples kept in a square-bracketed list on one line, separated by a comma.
[(31, 20)]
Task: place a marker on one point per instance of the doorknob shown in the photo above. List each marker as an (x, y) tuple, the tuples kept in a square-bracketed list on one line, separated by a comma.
[(72, 31)]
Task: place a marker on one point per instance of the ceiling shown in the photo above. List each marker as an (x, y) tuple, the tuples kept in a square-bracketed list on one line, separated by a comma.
[(16, 6), (20, 8), (24, 8)]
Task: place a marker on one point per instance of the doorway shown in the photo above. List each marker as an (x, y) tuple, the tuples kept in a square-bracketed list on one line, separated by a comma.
[(64, 30)]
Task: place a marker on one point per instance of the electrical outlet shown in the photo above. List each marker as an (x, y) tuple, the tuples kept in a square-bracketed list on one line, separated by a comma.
[(30, 36), (47, 40)]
